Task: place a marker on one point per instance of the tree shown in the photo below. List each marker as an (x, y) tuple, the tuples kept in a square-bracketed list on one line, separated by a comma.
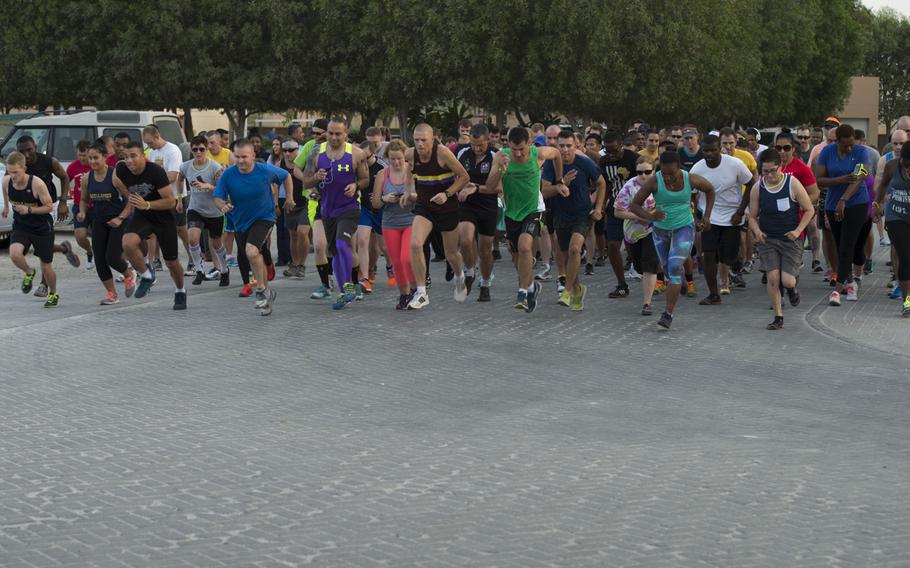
[(888, 59)]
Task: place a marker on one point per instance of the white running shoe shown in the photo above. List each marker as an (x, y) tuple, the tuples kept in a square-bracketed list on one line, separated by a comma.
[(834, 299), (419, 301), (461, 291), (852, 290)]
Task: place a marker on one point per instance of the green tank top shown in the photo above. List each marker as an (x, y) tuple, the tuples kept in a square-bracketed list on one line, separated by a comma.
[(521, 186), (676, 204)]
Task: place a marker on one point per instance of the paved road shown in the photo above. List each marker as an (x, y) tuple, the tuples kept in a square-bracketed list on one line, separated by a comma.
[(463, 435)]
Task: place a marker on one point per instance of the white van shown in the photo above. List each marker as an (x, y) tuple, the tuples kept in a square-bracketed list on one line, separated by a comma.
[(58, 134)]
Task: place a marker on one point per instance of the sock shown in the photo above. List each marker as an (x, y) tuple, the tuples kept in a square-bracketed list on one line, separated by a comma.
[(180, 290), (525, 290), (330, 264), (147, 274), (355, 274), (688, 277), (421, 289), (343, 263), (196, 256), (323, 270), (221, 255), (469, 272)]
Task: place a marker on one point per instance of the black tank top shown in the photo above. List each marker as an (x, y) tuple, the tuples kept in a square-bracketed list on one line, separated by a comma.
[(107, 201), (779, 211), (43, 168), (41, 224), (429, 179)]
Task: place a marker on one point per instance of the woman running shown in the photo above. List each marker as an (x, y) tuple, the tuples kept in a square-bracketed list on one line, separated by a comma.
[(896, 182), (674, 224), (777, 227), (110, 212), (637, 231), (390, 192)]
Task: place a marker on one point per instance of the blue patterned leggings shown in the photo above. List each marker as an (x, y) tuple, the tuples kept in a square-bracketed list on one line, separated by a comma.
[(673, 248)]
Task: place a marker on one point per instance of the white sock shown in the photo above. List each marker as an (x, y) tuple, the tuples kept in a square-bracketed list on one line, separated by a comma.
[(147, 274), (421, 289), (221, 255), (181, 290), (196, 256), (469, 272), (525, 290)]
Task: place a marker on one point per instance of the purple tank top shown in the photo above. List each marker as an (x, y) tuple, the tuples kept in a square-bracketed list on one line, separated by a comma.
[(340, 174)]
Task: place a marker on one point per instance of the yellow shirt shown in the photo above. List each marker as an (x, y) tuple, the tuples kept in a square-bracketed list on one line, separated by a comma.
[(653, 156), (746, 158), (223, 157)]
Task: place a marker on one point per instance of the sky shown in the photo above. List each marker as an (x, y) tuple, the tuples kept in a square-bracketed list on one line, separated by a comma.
[(902, 6)]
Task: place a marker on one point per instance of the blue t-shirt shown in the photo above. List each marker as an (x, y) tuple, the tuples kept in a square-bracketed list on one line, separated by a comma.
[(837, 167), (250, 193), (578, 204)]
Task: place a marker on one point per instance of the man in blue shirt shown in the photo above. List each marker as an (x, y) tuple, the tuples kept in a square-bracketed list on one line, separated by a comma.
[(252, 188)]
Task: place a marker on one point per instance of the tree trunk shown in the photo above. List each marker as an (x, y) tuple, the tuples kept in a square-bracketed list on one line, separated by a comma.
[(520, 118), (403, 125), (188, 123), (236, 120), (367, 119), (501, 119)]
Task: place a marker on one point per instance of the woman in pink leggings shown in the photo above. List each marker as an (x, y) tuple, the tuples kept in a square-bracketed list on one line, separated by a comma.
[(390, 193)]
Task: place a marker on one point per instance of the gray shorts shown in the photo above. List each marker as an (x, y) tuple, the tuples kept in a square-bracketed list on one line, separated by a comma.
[(296, 217), (781, 254)]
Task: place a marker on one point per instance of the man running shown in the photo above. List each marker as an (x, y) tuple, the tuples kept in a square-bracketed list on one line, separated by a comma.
[(168, 156), (340, 170), (147, 188), (251, 187), (618, 166), (75, 171), (518, 169), (33, 225), (369, 226), (320, 245), (478, 211), (437, 177)]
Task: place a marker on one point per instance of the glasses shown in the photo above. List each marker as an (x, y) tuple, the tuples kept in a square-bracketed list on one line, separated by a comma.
[(290, 149), (644, 172), (677, 136), (198, 150), (765, 172), (803, 137), (784, 148), (318, 132)]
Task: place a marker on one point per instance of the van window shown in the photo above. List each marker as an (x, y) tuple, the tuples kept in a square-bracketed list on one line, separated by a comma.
[(66, 138), (134, 133), (41, 136), (170, 130)]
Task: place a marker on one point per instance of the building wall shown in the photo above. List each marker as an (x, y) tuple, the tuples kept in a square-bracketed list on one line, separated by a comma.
[(861, 108)]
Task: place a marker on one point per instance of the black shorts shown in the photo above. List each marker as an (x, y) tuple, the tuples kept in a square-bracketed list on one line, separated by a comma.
[(43, 244), (549, 220), (724, 241), (529, 225), (442, 221), (180, 218), (644, 255), (166, 231), (214, 225), (89, 216), (296, 217), (258, 233), (612, 226), (565, 228), (340, 228), (484, 221)]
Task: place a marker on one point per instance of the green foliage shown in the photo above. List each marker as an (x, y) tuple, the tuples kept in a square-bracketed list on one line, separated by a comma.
[(889, 59)]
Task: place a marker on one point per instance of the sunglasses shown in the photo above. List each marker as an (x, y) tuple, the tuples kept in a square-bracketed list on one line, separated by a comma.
[(803, 137), (318, 132), (677, 136), (199, 150), (769, 172), (290, 149), (784, 148), (644, 172)]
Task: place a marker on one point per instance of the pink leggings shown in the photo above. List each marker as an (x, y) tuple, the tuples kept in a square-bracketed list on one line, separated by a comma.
[(398, 242)]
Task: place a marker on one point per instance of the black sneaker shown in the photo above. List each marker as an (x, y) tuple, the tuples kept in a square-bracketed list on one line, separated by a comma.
[(621, 291), (199, 279), (738, 280), (817, 266), (468, 283), (225, 279), (156, 266), (867, 268), (778, 323), (429, 282), (403, 300), (793, 296), (145, 284), (666, 320), (646, 310), (179, 300), (764, 277), (449, 272), (484, 295), (533, 296), (589, 269)]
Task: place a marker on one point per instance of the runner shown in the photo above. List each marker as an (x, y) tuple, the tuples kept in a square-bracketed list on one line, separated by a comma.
[(547, 243), (618, 166), (320, 245), (674, 224), (574, 210), (369, 226), (33, 225), (690, 151), (478, 211), (787, 147), (149, 191), (652, 144), (753, 137), (389, 191), (109, 212), (637, 231), (168, 156), (340, 170), (74, 171), (721, 243), (201, 173), (779, 211), (251, 187), (898, 138), (895, 184), (518, 169), (437, 177), (297, 220)]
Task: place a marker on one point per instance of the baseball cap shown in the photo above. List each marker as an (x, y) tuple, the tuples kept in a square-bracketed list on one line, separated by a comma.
[(832, 121), (289, 145), (321, 123), (690, 133)]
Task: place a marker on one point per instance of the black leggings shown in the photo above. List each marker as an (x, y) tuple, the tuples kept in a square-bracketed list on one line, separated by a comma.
[(107, 246), (850, 236), (899, 231), (243, 263)]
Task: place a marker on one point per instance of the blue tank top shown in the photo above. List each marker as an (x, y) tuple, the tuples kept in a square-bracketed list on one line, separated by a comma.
[(779, 211), (898, 206), (332, 200), (394, 216), (106, 200), (36, 224)]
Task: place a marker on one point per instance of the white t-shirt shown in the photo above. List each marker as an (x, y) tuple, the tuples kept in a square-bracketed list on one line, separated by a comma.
[(727, 178), (170, 158)]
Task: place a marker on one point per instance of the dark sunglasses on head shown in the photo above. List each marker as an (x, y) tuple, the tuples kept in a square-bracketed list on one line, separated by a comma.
[(784, 148), (645, 172), (199, 149), (803, 137)]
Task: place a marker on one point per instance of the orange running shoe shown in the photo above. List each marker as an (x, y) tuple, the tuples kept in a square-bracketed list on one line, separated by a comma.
[(366, 285)]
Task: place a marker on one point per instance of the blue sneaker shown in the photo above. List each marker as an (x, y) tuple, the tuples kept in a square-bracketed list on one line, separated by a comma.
[(145, 284), (521, 301), (533, 294), (897, 293), (339, 304), (351, 292), (320, 293)]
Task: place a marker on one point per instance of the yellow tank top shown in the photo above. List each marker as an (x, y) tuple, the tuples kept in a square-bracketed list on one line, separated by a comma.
[(223, 157)]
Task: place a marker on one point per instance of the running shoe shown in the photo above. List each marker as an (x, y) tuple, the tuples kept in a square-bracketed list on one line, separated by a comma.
[(365, 285), (793, 296), (156, 266), (320, 293), (565, 298), (660, 287), (349, 291), (358, 292), (179, 300), (52, 301), (544, 273), (710, 300), (868, 267), (89, 261), (778, 323), (390, 276), (484, 294), (129, 285), (852, 290), (213, 274), (225, 279), (884, 242), (834, 299), (449, 272), (665, 321), (429, 282), (261, 296), (577, 303), (747, 267), (145, 284), (828, 275), (817, 266), (469, 283), (691, 290), (896, 293), (646, 310), (738, 280), (27, 281), (633, 275), (905, 310), (497, 254), (231, 261), (724, 290), (621, 291), (190, 269), (289, 271), (118, 278), (199, 279), (266, 310), (461, 290), (599, 261), (270, 272), (533, 296), (521, 301), (589, 269), (41, 291), (247, 290), (403, 301), (561, 284), (110, 299), (71, 256), (419, 301), (764, 277)]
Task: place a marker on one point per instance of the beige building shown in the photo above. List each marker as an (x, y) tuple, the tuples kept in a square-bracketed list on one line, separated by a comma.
[(861, 108)]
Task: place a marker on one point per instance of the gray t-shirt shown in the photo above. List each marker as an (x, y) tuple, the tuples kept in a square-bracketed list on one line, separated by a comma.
[(394, 216), (201, 201)]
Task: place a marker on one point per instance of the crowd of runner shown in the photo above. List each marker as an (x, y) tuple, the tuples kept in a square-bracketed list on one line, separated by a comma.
[(656, 205)]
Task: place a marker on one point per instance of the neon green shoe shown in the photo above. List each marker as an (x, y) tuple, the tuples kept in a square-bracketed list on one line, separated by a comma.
[(27, 281)]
